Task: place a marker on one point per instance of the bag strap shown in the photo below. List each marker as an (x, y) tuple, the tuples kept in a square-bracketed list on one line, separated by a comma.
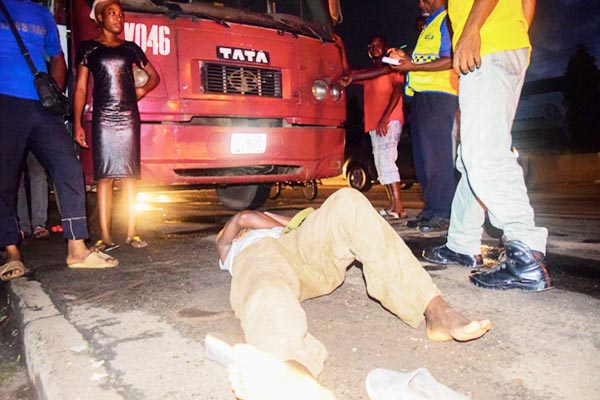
[(15, 32)]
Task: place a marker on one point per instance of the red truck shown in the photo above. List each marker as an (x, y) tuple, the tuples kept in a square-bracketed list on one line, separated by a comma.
[(246, 97)]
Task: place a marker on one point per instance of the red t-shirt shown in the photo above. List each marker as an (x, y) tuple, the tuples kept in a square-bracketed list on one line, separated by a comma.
[(377, 93)]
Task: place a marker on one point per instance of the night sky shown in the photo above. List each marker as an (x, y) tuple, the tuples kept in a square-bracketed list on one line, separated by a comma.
[(558, 27)]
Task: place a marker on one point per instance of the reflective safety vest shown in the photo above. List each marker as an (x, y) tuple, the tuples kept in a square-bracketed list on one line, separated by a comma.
[(427, 50)]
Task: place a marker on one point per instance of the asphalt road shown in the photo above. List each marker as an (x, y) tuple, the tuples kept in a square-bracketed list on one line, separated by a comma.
[(179, 225)]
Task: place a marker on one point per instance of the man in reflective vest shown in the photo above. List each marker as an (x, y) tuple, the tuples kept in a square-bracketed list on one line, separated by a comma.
[(433, 86)]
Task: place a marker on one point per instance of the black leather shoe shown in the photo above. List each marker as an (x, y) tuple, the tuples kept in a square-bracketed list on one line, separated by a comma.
[(415, 222), (519, 268), (435, 224), (443, 255)]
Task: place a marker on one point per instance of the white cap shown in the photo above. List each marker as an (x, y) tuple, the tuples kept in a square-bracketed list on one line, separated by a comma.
[(96, 2)]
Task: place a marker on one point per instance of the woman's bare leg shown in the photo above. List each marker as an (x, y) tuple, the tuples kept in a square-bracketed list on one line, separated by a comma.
[(130, 189), (105, 197)]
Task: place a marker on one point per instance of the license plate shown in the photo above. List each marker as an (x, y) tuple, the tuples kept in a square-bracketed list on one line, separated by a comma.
[(248, 143)]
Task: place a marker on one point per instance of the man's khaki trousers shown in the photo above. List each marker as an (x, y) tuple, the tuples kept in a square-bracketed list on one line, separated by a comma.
[(273, 276)]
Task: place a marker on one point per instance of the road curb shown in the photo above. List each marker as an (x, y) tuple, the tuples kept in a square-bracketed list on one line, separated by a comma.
[(58, 357)]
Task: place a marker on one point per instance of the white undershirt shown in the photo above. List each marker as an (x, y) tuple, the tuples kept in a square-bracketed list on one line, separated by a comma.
[(246, 240)]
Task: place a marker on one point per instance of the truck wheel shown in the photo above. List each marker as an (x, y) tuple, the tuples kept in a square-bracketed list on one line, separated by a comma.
[(275, 191), (310, 190), (243, 197), (357, 178)]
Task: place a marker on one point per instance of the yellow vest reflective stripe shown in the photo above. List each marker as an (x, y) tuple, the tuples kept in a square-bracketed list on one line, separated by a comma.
[(428, 50)]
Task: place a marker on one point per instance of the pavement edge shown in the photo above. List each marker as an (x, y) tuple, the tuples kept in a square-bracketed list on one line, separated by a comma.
[(59, 360)]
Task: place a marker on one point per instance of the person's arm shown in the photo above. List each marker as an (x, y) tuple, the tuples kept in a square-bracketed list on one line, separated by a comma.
[(58, 70), (529, 10), (441, 64), (153, 80), (392, 103), (370, 73), (467, 53), (79, 97), (243, 220)]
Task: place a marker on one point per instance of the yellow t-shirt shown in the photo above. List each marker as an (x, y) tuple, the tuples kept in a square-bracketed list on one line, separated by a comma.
[(505, 28)]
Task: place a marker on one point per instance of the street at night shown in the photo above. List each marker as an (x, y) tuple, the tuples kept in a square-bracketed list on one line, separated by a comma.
[(137, 331)]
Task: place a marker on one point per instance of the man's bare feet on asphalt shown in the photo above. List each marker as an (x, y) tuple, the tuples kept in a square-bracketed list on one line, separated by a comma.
[(256, 375), (445, 323)]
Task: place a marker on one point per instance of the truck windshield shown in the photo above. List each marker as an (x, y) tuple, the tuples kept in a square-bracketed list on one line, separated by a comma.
[(305, 17)]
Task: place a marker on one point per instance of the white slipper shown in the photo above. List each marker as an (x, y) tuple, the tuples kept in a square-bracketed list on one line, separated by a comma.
[(384, 384)]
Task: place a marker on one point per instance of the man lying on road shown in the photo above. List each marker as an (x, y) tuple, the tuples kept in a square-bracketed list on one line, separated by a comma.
[(274, 268)]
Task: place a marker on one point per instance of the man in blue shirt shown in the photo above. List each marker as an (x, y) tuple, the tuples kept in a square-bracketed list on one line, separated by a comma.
[(25, 124)]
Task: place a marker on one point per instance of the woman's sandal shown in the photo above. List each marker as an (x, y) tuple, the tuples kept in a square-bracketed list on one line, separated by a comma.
[(106, 247), (392, 214), (40, 233), (136, 242)]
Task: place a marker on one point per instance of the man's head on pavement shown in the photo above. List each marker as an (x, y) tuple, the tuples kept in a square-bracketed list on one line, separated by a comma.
[(377, 46)]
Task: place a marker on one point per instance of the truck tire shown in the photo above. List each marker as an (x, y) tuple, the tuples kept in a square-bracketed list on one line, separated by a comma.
[(358, 178), (243, 197), (275, 191), (310, 190)]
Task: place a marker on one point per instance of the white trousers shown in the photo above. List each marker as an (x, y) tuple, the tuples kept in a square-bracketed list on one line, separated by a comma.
[(491, 179)]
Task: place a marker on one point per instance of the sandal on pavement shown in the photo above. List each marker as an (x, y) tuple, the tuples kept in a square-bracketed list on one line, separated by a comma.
[(136, 242), (101, 246), (12, 270), (95, 260), (40, 233), (392, 214)]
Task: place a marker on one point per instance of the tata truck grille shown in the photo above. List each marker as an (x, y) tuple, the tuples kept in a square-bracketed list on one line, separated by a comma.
[(242, 80)]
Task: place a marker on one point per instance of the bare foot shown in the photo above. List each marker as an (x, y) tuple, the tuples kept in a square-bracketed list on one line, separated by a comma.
[(256, 375), (445, 323)]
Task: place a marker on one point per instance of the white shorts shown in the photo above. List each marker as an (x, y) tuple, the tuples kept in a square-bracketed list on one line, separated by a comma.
[(385, 152)]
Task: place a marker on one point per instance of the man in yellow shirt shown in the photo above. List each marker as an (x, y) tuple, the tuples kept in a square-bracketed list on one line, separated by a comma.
[(491, 51)]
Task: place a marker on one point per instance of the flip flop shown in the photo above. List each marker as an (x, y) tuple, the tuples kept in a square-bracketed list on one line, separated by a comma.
[(101, 246), (136, 242), (12, 270), (385, 384), (392, 214), (95, 260), (40, 233)]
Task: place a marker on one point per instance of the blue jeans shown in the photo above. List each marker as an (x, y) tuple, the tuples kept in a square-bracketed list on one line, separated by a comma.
[(24, 123), (38, 199), (432, 117)]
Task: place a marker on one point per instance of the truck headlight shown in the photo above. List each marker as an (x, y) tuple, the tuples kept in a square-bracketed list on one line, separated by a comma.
[(335, 92), (320, 89)]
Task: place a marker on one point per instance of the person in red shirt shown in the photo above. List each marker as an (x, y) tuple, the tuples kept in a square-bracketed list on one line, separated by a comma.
[(383, 117)]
